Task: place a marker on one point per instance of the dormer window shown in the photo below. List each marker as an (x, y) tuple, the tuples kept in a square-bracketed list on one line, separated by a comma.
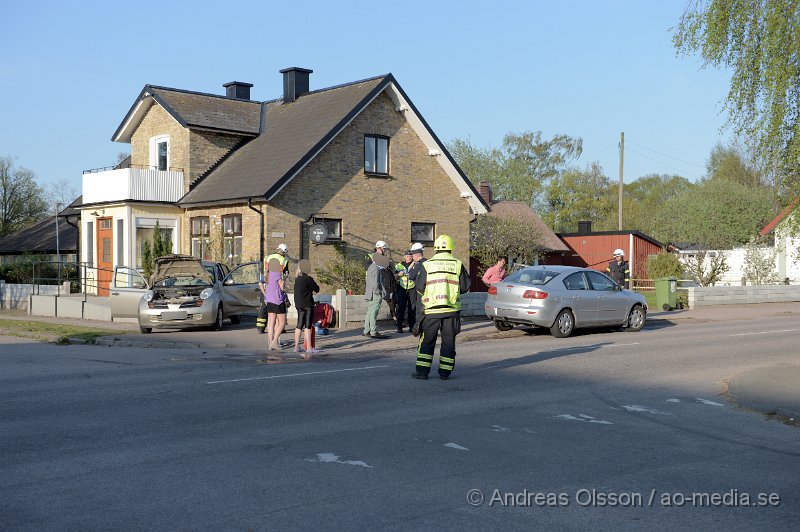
[(376, 154), (159, 153)]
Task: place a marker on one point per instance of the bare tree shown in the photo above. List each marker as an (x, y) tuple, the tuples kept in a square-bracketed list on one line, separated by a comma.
[(61, 192), (22, 201), (707, 273)]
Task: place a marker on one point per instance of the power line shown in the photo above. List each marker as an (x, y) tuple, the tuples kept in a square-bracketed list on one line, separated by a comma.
[(691, 174), (665, 155)]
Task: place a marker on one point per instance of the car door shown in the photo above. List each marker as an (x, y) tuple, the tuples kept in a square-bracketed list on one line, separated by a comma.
[(240, 292), (580, 298), (127, 288), (612, 303)]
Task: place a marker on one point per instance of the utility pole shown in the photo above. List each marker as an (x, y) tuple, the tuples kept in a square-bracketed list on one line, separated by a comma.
[(621, 182), (58, 252)]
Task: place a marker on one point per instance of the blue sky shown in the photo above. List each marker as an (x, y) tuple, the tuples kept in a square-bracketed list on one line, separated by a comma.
[(69, 71)]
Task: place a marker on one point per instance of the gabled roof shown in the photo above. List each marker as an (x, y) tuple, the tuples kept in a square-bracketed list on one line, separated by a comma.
[(41, 238), (193, 110), (778, 219), (293, 134), (517, 210)]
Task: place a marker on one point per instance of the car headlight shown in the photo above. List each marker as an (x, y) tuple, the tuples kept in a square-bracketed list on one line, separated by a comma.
[(148, 296), (205, 294)]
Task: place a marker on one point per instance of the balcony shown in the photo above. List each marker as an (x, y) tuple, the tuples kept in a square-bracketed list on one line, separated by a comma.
[(142, 184)]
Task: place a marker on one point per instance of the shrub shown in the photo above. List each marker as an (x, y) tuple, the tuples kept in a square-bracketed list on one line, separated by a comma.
[(665, 264), (343, 272)]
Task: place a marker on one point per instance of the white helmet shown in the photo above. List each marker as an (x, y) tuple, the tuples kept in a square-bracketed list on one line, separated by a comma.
[(381, 244), (619, 252), (416, 246), (283, 247)]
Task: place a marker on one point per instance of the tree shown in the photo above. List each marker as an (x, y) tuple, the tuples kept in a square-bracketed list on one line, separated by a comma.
[(759, 262), (521, 169), (729, 164), (575, 195), (150, 252), (717, 214), (22, 201), (706, 273), (492, 237), (665, 264), (758, 40), (343, 271)]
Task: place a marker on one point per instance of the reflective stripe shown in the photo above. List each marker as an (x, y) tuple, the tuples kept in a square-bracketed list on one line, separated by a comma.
[(445, 366), (447, 359), (423, 364), (424, 356)]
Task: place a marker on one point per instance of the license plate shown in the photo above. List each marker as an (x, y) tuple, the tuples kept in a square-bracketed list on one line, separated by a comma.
[(173, 315)]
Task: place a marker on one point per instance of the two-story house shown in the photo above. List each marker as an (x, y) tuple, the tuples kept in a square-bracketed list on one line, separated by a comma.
[(228, 176)]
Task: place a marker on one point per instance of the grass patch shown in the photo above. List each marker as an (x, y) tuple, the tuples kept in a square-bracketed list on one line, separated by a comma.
[(42, 330)]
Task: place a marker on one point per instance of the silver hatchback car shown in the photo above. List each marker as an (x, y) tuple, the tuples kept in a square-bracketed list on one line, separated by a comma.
[(563, 298), (185, 292)]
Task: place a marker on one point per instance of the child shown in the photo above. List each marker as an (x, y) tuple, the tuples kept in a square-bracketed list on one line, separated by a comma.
[(304, 289)]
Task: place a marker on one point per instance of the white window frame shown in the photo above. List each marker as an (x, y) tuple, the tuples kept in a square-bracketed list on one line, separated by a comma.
[(154, 142)]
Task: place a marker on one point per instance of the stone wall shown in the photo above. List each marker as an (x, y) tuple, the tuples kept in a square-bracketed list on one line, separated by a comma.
[(741, 295)]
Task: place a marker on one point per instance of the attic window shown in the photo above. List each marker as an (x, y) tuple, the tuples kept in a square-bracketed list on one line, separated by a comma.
[(376, 154)]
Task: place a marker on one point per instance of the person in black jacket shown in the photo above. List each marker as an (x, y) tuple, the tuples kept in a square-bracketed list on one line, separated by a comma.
[(304, 289), (619, 270)]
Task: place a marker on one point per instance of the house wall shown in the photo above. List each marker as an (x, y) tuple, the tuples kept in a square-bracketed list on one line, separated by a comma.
[(192, 152), (595, 251), (334, 185), (251, 227)]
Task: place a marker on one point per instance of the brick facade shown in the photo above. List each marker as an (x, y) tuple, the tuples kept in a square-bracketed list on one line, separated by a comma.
[(192, 152)]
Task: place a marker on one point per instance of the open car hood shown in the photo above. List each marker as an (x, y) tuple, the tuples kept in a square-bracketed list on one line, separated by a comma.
[(170, 266)]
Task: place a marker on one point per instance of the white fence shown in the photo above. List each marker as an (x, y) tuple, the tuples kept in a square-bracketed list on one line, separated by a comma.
[(741, 295), (17, 296)]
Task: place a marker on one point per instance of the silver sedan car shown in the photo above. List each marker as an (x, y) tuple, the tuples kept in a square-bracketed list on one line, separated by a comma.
[(562, 299), (185, 292)]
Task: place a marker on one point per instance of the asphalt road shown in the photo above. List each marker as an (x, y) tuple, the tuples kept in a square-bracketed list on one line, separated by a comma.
[(604, 430)]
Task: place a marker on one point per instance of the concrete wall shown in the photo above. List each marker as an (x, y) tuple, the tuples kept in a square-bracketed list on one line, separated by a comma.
[(741, 295), (356, 308), (17, 296)]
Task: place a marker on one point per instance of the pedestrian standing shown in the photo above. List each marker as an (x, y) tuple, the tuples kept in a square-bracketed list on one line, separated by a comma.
[(496, 273), (440, 282), (374, 293), (304, 289), (402, 297), (281, 254), (275, 298), (417, 252), (619, 270)]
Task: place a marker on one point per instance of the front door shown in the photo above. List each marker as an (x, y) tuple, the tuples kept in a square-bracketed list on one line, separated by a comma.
[(105, 266)]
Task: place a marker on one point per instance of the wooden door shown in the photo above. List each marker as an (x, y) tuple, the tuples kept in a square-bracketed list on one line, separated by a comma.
[(105, 266)]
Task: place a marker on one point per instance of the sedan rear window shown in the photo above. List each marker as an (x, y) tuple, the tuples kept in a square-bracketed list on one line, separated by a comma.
[(533, 277)]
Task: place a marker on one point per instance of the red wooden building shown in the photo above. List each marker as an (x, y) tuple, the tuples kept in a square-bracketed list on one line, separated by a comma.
[(595, 249)]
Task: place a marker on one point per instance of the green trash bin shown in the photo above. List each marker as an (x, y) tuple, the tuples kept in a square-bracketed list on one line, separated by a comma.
[(667, 293)]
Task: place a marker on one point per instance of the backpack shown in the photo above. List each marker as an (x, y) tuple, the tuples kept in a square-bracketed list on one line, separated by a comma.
[(388, 281), (325, 315)]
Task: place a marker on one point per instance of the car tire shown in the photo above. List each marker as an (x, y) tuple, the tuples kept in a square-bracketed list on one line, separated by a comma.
[(236, 319), (145, 330), (564, 324), (503, 326), (636, 319), (218, 321)]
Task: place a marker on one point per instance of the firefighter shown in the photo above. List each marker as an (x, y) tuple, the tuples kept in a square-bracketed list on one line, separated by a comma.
[(281, 254), (618, 269), (440, 283)]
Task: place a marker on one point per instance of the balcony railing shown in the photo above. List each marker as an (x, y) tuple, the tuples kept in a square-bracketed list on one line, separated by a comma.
[(132, 184)]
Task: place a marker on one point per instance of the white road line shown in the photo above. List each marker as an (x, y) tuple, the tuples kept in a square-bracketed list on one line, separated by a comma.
[(621, 345), (295, 374), (764, 332)]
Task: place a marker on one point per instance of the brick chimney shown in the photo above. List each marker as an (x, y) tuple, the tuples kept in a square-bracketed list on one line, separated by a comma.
[(295, 83), (238, 90), (485, 190)]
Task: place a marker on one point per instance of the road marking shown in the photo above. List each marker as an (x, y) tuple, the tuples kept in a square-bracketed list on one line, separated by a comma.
[(639, 408), (584, 418), (764, 332), (330, 458), (296, 374), (707, 402), (455, 446), (498, 428), (621, 345), (673, 400)]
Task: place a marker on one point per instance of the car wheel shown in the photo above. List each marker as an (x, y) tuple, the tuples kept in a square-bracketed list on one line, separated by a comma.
[(236, 319), (218, 321), (636, 318), (503, 326), (564, 324), (145, 330)]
